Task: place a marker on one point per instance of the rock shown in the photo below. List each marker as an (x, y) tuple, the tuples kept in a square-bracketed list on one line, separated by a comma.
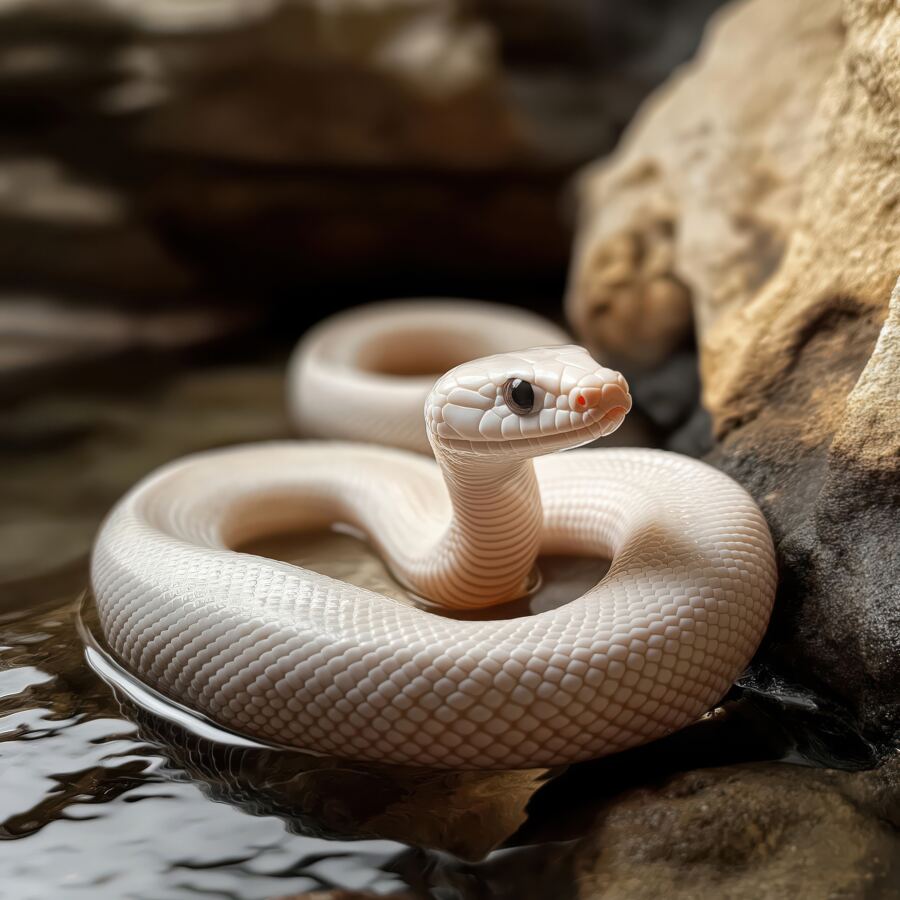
[(40, 338), (693, 211), (760, 832), (837, 508), (772, 201), (84, 280)]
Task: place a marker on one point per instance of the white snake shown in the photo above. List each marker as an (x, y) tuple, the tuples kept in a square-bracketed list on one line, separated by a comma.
[(295, 657)]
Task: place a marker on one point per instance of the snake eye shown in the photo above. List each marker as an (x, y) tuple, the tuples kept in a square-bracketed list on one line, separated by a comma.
[(518, 395)]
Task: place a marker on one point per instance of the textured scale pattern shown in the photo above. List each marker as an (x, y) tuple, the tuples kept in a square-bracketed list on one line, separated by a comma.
[(342, 383), (295, 657)]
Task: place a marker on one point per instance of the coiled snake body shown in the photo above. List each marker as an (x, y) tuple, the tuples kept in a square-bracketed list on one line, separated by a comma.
[(298, 658)]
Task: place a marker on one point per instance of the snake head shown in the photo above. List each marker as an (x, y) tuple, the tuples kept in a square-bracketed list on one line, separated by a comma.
[(526, 403)]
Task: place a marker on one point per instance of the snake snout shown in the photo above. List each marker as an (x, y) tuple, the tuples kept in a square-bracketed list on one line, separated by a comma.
[(601, 394)]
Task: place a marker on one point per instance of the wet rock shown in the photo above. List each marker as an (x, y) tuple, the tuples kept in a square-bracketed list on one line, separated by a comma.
[(772, 166), (760, 832)]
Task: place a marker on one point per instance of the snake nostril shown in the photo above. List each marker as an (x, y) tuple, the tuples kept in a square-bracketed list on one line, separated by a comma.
[(585, 398)]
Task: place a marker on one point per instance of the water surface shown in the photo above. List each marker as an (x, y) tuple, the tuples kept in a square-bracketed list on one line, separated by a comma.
[(107, 793)]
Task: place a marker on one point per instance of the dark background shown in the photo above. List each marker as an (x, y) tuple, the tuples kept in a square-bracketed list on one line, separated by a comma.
[(181, 184)]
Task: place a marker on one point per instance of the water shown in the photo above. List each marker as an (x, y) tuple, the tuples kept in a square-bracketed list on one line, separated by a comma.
[(108, 792)]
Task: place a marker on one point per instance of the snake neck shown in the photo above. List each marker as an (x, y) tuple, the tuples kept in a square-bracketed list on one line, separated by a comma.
[(487, 553)]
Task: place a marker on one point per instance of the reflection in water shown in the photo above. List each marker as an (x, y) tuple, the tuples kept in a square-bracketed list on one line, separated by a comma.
[(465, 813), (92, 808), (111, 794)]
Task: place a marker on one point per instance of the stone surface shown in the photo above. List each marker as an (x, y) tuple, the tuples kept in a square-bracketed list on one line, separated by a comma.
[(772, 201), (762, 832), (834, 498), (693, 211)]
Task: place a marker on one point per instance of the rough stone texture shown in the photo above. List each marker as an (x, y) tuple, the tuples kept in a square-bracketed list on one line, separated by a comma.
[(762, 832), (837, 508), (767, 180), (697, 202)]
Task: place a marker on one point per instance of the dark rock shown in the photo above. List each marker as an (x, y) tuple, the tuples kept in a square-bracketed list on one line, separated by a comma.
[(835, 510), (762, 832)]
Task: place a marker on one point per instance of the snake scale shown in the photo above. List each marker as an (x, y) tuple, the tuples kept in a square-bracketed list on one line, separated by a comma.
[(300, 659)]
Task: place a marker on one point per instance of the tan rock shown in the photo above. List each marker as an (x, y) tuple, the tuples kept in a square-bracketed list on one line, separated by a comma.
[(803, 390), (697, 204), (844, 251), (868, 438), (767, 177)]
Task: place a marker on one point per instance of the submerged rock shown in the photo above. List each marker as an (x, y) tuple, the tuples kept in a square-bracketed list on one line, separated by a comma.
[(762, 832), (764, 183)]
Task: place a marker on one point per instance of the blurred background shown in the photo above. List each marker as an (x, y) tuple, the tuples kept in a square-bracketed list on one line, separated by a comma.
[(186, 185), (177, 174)]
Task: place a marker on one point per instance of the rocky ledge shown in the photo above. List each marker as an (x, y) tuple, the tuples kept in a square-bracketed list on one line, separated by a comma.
[(756, 197)]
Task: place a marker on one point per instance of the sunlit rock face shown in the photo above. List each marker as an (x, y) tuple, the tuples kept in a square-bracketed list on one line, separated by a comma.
[(222, 154), (692, 213), (762, 187)]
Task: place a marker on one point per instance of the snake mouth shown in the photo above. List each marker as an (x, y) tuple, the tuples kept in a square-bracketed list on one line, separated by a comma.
[(614, 418), (601, 427), (597, 427), (537, 445)]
